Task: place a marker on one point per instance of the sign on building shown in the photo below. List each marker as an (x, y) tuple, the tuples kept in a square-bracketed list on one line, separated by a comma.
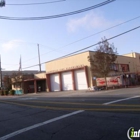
[(111, 81)]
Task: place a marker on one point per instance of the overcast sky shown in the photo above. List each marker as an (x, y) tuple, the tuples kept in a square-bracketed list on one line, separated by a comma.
[(54, 35)]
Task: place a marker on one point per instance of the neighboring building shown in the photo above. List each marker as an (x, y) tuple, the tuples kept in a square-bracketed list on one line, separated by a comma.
[(36, 84), (30, 83), (74, 73), (18, 81), (10, 73)]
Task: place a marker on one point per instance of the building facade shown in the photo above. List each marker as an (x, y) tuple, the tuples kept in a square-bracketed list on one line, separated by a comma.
[(26, 73), (74, 72), (31, 83)]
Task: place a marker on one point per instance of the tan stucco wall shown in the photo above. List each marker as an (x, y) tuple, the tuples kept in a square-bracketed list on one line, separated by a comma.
[(127, 60), (136, 59), (70, 63), (40, 75), (137, 56), (82, 60), (129, 55), (124, 60)]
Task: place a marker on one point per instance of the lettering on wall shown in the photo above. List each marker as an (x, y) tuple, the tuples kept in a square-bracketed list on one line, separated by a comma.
[(67, 68)]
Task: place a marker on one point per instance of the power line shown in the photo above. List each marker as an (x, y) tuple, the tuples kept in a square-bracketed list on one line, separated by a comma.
[(74, 41), (52, 50), (28, 4), (60, 15), (87, 37), (106, 39), (102, 31), (87, 47)]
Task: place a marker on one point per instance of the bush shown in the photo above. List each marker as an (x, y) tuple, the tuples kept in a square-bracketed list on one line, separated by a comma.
[(11, 92), (1, 92), (5, 92)]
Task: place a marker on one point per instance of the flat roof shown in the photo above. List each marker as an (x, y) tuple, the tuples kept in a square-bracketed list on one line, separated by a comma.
[(78, 54)]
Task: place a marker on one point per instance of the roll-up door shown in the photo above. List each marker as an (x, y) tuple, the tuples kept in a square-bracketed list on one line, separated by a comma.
[(55, 83), (80, 79), (67, 81)]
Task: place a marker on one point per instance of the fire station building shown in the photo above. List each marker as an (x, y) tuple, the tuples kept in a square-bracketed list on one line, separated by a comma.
[(74, 73)]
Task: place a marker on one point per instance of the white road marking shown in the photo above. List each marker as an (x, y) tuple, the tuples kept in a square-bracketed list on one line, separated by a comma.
[(29, 98), (38, 125), (120, 100)]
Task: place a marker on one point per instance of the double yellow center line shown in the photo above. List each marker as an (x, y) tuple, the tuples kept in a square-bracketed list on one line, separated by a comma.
[(129, 107)]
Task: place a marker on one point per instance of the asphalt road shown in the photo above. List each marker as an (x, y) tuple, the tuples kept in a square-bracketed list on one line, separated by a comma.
[(103, 115)]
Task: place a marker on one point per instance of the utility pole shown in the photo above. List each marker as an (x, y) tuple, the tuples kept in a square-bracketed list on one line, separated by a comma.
[(20, 63), (0, 73), (39, 58)]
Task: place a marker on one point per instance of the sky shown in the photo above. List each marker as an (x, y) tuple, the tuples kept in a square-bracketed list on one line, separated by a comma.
[(56, 37)]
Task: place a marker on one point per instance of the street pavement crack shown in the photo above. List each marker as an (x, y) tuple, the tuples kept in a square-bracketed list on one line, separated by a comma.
[(23, 116), (54, 133)]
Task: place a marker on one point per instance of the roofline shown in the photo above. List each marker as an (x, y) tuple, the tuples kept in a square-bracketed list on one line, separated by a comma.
[(21, 71), (128, 53), (117, 54), (38, 79), (66, 56), (125, 56), (78, 54), (131, 53)]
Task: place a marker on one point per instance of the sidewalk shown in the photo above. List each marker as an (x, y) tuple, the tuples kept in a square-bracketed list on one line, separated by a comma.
[(78, 93)]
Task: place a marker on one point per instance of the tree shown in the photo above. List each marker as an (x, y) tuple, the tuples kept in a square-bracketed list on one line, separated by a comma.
[(17, 79), (105, 55), (7, 82)]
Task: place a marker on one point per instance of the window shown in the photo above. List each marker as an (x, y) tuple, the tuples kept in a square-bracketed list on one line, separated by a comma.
[(114, 67), (125, 67)]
